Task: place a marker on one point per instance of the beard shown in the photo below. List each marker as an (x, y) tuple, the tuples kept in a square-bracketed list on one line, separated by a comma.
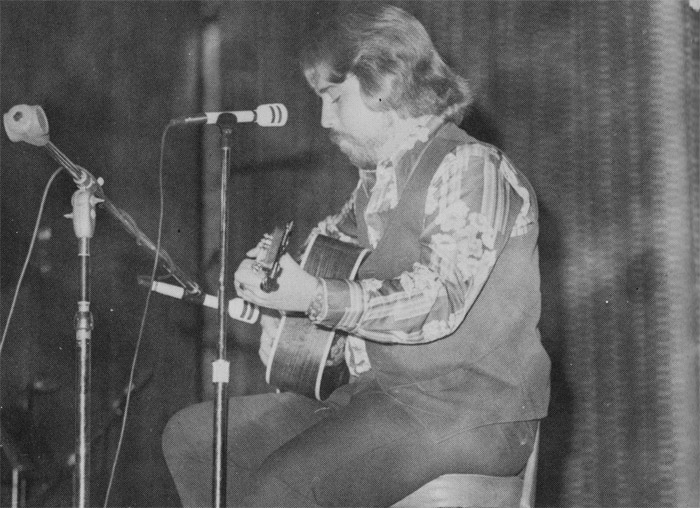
[(362, 152)]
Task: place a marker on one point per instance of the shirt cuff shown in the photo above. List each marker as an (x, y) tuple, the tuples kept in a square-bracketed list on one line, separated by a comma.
[(338, 304)]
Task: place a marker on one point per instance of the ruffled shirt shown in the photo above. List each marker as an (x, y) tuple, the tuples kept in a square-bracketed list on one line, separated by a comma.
[(380, 183)]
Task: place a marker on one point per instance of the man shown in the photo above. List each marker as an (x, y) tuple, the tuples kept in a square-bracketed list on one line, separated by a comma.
[(448, 372)]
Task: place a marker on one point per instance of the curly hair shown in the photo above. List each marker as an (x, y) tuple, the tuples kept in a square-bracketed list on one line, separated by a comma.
[(392, 56)]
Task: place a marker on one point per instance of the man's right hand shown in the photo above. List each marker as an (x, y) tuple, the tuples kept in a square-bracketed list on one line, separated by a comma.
[(269, 321)]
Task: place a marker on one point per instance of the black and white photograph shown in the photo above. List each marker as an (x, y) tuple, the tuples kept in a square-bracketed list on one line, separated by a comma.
[(287, 253)]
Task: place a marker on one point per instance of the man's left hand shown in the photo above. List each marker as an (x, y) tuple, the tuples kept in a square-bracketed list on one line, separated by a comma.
[(296, 287)]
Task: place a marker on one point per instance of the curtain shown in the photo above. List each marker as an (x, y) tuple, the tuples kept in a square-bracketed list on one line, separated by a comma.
[(597, 102)]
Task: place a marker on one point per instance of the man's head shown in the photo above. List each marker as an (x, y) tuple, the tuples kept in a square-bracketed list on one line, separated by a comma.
[(391, 55)]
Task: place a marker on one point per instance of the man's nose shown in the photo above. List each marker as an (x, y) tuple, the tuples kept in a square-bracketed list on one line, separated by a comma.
[(327, 116)]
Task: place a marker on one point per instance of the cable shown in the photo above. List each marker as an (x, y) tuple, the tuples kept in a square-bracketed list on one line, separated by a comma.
[(143, 317), (26, 260), (146, 306), (23, 273)]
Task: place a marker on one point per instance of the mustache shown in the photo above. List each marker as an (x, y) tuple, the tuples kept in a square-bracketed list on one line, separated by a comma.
[(335, 136), (361, 152)]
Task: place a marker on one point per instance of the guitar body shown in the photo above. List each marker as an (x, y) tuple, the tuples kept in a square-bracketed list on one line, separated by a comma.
[(306, 358)]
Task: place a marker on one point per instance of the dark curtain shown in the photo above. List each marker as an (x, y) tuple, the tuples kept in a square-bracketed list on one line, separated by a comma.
[(595, 102)]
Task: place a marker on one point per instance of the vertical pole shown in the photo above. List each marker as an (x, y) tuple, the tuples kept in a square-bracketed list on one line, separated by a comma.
[(220, 367), (83, 217), (83, 335), (15, 487)]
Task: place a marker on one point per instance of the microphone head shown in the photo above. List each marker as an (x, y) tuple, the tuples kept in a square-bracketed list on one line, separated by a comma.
[(271, 115), (27, 123)]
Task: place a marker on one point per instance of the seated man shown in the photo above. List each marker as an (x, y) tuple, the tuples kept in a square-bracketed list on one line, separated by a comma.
[(448, 372)]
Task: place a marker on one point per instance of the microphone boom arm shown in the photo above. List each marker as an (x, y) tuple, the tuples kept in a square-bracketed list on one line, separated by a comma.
[(84, 179)]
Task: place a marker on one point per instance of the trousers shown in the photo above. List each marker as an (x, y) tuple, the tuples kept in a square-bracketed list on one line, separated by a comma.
[(369, 450)]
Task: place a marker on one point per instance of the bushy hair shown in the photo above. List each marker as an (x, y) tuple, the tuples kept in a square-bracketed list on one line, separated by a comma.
[(393, 58)]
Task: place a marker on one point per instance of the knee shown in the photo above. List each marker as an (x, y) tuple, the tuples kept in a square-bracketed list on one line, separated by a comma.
[(170, 436)]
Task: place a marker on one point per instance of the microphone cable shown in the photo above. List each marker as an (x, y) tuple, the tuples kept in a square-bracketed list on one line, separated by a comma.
[(10, 313), (143, 316), (27, 258), (146, 305)]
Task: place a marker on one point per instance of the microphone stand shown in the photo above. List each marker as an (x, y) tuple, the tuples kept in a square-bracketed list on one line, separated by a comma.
[(84, 201), (220, 367)]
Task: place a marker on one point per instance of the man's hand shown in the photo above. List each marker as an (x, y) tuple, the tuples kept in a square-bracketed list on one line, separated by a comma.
[(296, 287), (269, 323)]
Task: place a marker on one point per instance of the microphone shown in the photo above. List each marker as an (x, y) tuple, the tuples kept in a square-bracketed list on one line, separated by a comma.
[(28, 124), (265, 115), (238, 308)]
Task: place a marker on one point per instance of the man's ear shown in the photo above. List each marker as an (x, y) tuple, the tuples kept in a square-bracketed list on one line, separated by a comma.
[(312, 77)]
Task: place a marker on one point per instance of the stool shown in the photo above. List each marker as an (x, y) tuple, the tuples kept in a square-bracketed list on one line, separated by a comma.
[(478, 490)]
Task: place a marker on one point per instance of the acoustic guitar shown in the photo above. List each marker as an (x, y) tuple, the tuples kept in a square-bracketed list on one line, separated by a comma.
[(305, 358)]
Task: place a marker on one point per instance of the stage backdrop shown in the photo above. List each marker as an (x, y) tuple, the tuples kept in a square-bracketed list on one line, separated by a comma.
[(596, 102)]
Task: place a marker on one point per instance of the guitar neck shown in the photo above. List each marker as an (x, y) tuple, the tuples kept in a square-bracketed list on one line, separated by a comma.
[(274, 247)]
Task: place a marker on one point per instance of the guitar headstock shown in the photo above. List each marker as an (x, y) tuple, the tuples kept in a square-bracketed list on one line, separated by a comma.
[(272, 247)]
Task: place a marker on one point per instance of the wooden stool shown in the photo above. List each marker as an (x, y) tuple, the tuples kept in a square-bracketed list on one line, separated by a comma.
[(478, 490)]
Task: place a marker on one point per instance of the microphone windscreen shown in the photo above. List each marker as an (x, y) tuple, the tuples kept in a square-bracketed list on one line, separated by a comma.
[(27, 123), (244, 311), (271, 115)]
